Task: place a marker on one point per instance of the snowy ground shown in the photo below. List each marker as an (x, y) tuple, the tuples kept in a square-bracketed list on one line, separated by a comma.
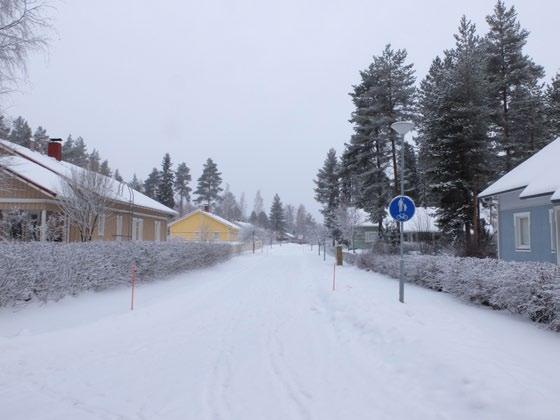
[(264, 337)]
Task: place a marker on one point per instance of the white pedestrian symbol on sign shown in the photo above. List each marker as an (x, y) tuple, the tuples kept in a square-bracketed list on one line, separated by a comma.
[(402, 208)]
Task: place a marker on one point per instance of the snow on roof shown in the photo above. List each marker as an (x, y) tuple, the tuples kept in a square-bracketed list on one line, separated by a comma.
[(243, 225), (211, 215), (424, 220), (540, 174), (49, 173), (30, 171)]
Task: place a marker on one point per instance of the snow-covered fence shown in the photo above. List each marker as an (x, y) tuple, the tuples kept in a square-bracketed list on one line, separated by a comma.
[(527, 288), (50, 271)]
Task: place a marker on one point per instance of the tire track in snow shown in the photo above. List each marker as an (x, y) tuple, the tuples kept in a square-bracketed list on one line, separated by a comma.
[(220, 378)]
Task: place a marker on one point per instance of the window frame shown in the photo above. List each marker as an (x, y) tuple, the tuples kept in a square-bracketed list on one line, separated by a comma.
[(119, 227), (517, 217), (157, 230), (369, 236), (101, 225)]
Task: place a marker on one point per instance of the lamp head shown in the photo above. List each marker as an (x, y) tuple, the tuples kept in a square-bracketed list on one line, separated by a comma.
[(402, 127)]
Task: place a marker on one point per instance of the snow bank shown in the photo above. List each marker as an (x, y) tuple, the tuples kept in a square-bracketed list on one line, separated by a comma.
[(50, 271), (526, 288)]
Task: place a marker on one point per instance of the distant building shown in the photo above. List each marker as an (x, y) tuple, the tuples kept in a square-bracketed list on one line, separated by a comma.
[(200, 225), (30, 185), (528, 201), (422, 228)]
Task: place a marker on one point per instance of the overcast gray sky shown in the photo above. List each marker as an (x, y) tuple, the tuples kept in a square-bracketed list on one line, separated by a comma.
[(259, 86)]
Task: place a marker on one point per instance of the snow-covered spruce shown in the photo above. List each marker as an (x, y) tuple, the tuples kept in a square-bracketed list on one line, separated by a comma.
[(49, 271), (530, 289)]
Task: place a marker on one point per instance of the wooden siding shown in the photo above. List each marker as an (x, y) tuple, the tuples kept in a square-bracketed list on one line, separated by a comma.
[(16, 194), (201, 227)]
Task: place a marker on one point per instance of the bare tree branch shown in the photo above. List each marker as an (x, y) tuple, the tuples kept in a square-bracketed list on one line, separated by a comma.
[(23, 28), (84, 198)]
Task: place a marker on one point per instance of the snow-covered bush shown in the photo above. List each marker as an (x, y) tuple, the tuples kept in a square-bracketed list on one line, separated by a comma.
[(530, 289), (50, 271)]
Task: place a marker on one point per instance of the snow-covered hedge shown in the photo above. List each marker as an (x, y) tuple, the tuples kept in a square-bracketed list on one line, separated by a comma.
[(527, 288), (50, 271)]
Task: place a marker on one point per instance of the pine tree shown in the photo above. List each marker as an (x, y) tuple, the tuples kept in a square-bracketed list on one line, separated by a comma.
[(228, 207), (40, 140), (136, 184), (528, 124), (94, 161), (509, 71), (21, 133), (104, 168), (412, 178), (4, 129), (290, 216), (166, 181), (262, 220), (277, 221), (79, 152), (327, 192), (431, 128), (552, 103), (117, 175), (209, 185), (182, 185), (385, 95), (68, 148), (253, 218), (151, 184), (75, 151), (454, 133)]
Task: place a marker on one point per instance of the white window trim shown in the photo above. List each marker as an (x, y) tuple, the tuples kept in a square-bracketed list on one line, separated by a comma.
[(516, 226), (119, 227), (157, 230), (552, 223), (137, 229), (101, 225)]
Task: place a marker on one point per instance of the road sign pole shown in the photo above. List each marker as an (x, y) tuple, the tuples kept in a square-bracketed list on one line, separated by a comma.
[(401, 279)]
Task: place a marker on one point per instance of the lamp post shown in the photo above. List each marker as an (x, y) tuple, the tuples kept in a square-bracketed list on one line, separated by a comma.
[(402, 127)]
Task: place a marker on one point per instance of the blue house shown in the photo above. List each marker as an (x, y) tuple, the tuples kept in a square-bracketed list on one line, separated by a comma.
[(528, 199)]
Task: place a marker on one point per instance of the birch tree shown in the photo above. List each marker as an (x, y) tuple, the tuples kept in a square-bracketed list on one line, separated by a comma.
[(84, 198), (23, 28)]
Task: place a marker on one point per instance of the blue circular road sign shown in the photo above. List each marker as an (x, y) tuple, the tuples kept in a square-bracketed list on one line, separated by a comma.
[(402, 208)]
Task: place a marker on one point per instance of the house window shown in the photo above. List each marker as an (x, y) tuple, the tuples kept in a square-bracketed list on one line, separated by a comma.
[(522, 225), (137, 229), (101, 225), (119, 227), (157, 230), (216, 236), (552, 230), (370, 237)]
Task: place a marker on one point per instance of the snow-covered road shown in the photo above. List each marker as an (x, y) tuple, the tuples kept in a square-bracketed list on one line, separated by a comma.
[(263, 337)]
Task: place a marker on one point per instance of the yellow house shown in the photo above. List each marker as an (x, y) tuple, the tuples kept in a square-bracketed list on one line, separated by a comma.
[(201, 225)]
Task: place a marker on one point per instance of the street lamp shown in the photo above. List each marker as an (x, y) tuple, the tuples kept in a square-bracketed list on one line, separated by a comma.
[(402, 127)]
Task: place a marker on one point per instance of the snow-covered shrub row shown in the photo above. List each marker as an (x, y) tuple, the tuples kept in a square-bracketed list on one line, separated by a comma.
[(50, 271), (528, 288)]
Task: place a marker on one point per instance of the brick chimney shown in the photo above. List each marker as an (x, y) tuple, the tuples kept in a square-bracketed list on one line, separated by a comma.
[(54, 148), (206, 208)]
